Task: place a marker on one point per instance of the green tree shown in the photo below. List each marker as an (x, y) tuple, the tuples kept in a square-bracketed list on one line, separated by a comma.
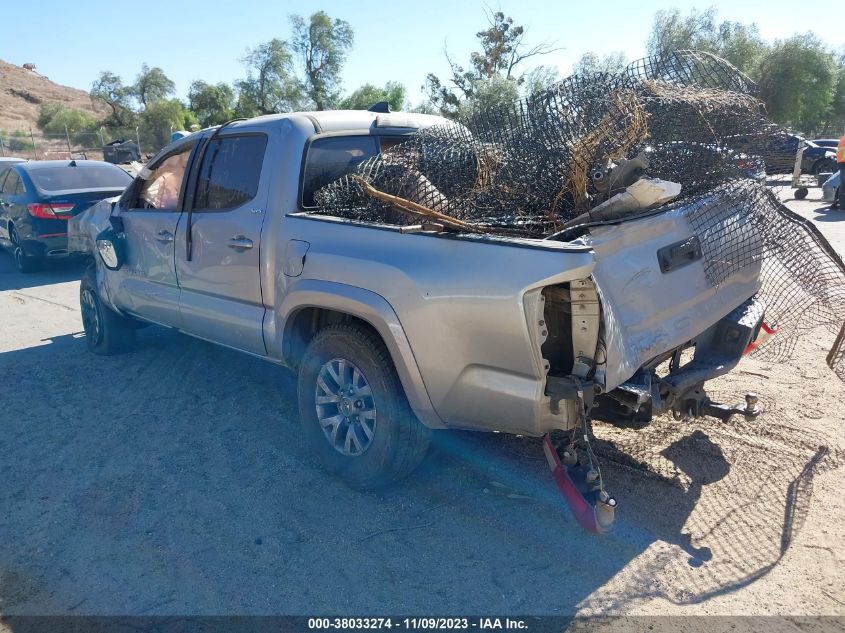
[(503, 52), (57, 118), (211, 104), (162, 117), (738, 43), (539, 78), (109, 89), (836, 117), (590, 63), (152, 85), (271, 85), (489, 95), (322, 44), (368, 94), (798, 81)]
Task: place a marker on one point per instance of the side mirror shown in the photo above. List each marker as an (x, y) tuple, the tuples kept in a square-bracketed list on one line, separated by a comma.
[(111, 246)]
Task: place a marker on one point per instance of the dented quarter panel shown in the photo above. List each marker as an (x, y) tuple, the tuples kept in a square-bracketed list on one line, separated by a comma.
[(468, 307), (647, 312)]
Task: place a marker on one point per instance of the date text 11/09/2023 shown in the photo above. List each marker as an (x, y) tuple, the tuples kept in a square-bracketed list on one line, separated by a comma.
[(413, 624)]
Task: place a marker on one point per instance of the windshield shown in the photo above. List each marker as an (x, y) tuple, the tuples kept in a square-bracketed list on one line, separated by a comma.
[(82, 176)]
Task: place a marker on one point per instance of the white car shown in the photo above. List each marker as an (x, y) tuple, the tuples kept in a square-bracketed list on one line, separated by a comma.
[(830, 188)]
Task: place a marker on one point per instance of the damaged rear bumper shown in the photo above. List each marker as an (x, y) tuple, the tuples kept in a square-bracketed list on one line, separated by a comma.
[(680, 390)]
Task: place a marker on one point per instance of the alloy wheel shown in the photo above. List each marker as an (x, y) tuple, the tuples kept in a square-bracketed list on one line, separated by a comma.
[(90, 316), (345, 407)]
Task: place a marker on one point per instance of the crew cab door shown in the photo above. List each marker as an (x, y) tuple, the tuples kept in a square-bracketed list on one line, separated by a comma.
[(146, 285), (218, 270)]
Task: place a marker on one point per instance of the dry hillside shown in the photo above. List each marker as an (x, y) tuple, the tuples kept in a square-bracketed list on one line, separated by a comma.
[(23, 91)]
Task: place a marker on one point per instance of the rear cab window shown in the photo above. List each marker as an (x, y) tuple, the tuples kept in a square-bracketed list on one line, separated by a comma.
[(82, 176), (332, 157)]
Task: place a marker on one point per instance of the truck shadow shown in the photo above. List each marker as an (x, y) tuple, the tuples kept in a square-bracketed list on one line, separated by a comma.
[(175, 480), (826, 214)]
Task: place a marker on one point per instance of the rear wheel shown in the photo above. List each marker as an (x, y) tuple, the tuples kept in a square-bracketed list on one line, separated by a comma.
[(354, 410), (25, 263), (106, 331)]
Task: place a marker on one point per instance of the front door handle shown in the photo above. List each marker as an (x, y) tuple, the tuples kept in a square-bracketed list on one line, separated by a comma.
[(164, 236), (240, 243)]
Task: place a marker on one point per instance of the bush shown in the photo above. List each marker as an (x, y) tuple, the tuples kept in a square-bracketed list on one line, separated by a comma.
[(20, 141), (56, 118)]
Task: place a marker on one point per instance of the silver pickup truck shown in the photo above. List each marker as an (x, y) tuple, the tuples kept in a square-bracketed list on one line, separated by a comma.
[(395, 331)]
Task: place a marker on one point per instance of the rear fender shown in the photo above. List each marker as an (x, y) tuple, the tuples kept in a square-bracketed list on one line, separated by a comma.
[(367, 306)]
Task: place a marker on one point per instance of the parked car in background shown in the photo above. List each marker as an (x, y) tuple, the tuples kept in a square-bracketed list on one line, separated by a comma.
[(830, 189), (779, 151), (816, 159), (831, 143), (38, 197)]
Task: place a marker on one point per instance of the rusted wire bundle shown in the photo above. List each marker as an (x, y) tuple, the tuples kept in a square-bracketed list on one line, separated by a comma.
[(530, 167)]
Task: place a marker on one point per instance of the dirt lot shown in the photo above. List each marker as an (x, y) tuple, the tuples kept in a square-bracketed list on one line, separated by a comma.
[(175, 480)]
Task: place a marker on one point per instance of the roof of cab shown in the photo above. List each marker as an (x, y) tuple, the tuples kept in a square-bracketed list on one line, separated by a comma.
[(349, 120)]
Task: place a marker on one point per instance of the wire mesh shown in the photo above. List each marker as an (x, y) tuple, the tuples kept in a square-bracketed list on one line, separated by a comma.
[(543, 163)]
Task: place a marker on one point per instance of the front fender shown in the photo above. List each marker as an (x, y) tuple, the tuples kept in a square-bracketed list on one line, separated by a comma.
[(367, 306)]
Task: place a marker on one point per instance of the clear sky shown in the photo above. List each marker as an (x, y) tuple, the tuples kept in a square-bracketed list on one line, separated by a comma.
[(71, 41)]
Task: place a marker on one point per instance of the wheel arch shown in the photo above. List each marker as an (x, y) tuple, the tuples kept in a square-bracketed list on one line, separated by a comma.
[(312, 305)]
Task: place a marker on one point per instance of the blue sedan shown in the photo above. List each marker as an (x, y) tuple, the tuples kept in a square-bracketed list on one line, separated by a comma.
[(37, 198)]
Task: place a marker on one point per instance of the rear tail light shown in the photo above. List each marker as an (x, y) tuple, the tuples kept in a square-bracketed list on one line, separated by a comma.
[(50, 211), (766, 332)]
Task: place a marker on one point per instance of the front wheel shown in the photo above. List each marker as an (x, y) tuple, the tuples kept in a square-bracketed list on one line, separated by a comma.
[(106, 331), (354, 410)]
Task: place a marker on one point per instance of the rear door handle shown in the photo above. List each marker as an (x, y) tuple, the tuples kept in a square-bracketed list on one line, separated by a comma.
[(164, 236), (240, 243)]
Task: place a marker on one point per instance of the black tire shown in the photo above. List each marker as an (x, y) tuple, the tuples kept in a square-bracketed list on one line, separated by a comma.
[(399, 440), (801, 193), (25, 263), (106, 332)]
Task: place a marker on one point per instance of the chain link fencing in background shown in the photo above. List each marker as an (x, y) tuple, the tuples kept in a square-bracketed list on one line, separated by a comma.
[(37, 145)]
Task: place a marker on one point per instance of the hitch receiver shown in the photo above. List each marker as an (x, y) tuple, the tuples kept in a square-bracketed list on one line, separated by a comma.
[(724, 412)]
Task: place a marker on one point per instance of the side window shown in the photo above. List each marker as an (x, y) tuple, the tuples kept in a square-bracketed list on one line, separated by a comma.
[(331, 157), (20, 189), (162, 186), (13, 185), (230, 170)]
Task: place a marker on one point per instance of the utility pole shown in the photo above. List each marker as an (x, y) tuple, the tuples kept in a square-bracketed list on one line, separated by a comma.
[(69, 150), (34, 148)]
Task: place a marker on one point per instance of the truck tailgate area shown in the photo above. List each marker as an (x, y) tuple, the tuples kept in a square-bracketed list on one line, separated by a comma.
[(663, 279)]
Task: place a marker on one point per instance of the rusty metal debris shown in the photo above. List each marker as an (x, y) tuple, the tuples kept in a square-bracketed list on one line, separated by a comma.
[(544, 163)]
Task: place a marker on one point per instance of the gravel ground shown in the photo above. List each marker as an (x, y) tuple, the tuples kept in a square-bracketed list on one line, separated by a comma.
[(175, 480)]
